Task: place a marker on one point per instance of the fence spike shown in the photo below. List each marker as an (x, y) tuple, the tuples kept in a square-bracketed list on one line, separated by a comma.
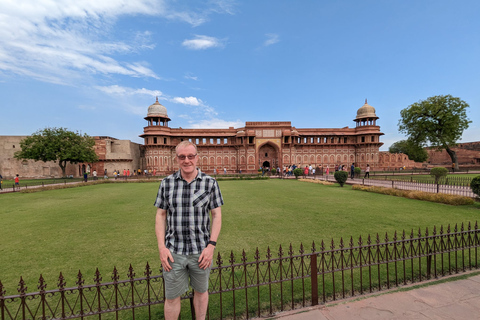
[(419, 232), (280, 251), (244, 257), (395, 236), (41, 284), (301, 248), (426, 232), (351, 242), (148, 271), (61, 282), (269, 255), (341, 243), (456, 228), (369, 240), (257, 254), (22, 288), (378, 239), (411, 234), (434, 230), (448, 228), (232, 258), (332, 244), (98, 277), (80, 280), (476, 225), (469, 225), (290, 250), (115, 275), (2, 290), (360, 241), (462, 228), (131, 274), (386, 236), (219, 260), (322, 246), (404, 235)]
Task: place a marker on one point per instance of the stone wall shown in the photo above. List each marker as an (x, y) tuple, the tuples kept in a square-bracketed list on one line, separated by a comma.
[(9, 166)]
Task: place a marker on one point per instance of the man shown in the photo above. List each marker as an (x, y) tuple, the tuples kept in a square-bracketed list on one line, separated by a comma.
[(185, 243), (352, 171)]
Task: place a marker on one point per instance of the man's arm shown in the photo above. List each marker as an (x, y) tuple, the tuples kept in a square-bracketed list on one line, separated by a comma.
[(206, 257), (160, 224)]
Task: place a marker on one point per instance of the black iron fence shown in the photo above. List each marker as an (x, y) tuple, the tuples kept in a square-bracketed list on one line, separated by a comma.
[(243, 288)]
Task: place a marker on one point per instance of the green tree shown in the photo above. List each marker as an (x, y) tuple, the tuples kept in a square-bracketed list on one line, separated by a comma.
[(58, 144), (439, 121), (438, 173), (414, 151)]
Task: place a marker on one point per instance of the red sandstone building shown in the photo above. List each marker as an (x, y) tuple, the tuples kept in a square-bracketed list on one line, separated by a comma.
[(263, 144)]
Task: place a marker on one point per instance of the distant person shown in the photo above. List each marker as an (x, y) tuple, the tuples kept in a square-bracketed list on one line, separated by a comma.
[(94, 175), (124, 172), (17, 180), (352, 171), (128, 173), (367, 172), (224, 170), (105, 176), (305, 171), (310, 169), (1, 182), (214, 171), (327, 170), (115, 173), (85, 176)]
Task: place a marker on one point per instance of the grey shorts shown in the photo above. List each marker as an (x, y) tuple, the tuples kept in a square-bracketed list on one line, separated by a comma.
[(177, 279)]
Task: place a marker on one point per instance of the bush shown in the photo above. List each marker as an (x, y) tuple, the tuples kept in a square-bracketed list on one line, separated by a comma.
[(475, 185), (273, 171), (438, 172), (297, 172), (419, 195), (341, 177)]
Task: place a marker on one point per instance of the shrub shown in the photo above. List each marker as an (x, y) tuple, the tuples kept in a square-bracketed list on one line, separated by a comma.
[(419, 195), (298, 172), (273, 171), (475, 185), (438, 172), (341, 177)]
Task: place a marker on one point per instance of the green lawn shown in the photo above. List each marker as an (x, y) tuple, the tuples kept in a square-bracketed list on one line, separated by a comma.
[(113, 225)]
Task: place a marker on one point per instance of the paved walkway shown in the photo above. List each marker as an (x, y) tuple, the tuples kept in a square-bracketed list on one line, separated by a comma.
[(459, 299)]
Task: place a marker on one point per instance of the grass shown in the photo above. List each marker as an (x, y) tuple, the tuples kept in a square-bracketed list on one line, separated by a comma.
[(109, 225)]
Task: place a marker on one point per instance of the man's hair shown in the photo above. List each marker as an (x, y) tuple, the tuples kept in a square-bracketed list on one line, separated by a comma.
[(184, 144)]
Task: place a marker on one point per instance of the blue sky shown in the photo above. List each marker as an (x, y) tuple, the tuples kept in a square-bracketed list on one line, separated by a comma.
[(95, 66)]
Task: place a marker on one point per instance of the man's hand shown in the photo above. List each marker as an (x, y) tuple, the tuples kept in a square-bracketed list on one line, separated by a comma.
[(206, 258), (165, 255)]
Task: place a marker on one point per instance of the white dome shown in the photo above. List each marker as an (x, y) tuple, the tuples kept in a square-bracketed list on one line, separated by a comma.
[(366, 111), (157, 110)]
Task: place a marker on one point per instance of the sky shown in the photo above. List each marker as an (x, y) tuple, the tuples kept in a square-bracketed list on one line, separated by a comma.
[(96, 66)]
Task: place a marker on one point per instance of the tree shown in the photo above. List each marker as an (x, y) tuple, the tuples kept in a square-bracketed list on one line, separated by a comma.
[(438, 173), (412, 150), (58, 144), (438, 120)]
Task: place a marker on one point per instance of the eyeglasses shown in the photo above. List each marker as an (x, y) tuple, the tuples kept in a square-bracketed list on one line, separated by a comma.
[(183, 157)]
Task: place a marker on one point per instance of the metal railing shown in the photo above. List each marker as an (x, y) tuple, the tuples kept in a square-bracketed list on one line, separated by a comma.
[(259, 287)]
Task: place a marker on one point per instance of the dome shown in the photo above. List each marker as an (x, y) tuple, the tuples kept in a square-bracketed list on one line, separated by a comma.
[(366, 111), (157, 110)]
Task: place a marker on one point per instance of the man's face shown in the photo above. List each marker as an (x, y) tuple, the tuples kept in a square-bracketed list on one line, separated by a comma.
[(187, 166)]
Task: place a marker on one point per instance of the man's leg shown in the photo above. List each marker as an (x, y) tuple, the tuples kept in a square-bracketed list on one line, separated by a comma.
[(172, 308), (200, 302)]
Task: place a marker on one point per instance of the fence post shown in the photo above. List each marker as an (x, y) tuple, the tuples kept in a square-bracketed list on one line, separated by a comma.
[(314, 278), (438, 187), (192, 308)]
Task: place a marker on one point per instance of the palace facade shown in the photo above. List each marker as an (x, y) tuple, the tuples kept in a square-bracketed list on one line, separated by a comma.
[(263, 144)]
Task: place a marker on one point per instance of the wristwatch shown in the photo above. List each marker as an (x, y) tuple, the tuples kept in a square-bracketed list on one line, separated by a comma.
[(213, 243)]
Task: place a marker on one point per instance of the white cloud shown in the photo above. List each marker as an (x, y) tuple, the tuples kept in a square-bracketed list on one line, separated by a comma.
[(191, 101), (215, 124), (202, 42), (70, 40), (191, 77), (126, 91), (272, 38)]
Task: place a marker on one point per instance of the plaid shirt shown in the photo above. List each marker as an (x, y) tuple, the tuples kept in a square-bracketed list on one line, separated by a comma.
[(188, 208)]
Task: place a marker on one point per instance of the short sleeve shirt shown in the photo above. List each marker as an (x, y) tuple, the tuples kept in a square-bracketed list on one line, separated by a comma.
[(188, 207)]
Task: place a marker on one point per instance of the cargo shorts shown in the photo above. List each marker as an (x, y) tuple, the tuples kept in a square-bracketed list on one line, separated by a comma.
[(185, 271)]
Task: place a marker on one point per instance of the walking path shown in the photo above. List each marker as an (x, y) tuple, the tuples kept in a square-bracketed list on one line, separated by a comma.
[(459, 299)]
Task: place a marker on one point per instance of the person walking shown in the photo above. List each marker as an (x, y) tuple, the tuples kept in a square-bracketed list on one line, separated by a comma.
[(186, 239), (352, 171), (367, 171)]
